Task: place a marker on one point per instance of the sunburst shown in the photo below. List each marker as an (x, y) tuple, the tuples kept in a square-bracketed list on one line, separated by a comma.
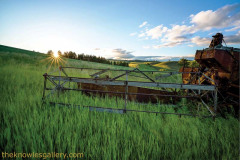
[(55, 60)]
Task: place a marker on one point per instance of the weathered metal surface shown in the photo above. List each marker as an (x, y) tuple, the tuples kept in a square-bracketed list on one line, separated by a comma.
[(134, 83), (129, 90), (219, 66), (189, 78), (133, 93), (218, 58)]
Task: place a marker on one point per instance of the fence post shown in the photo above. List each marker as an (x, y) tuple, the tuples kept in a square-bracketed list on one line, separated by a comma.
[(199, 92), (59, 84), (215, 100), (44, 86), (126, 92)]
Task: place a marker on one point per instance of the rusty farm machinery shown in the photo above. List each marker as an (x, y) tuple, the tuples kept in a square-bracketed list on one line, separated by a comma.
[(214, 84)]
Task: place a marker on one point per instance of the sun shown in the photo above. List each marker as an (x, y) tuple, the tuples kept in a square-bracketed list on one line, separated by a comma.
[(55, 59), (55, 55)]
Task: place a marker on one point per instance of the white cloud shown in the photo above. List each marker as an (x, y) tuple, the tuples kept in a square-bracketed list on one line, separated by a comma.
[(233, 39), (227, 16), (201, 41), (141, 35), (178, 33), (233, 29), (237, 26), (168, 44), (221, 18), (121, 54), (143, 24), (156, 32)]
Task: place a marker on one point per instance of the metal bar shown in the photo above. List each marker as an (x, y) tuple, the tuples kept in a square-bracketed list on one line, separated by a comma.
[(121, 75), (234, 95), (115, 110), (145, 75), (59, 82), (204, 94), (120, 70), (100, 91), (136, 84), (199, 84), (64, 72), (53, 90), (44, 86), (52, 81), (215, 100), (126, 92), (98, 73), (194, 92), (234, 85), (53, 71), (209, 78), (208, 108)]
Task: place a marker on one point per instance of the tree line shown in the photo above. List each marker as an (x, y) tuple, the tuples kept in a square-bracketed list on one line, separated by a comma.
[(91, 58), (184, 62)]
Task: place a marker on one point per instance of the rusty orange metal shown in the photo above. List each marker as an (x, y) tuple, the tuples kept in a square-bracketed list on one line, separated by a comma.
[(219, 66), (135, 93)]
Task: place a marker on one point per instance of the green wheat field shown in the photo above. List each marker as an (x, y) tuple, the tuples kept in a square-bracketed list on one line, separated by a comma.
[(28, 125)]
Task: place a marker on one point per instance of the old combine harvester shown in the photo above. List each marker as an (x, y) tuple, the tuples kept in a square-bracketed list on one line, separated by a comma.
[(213, 84), (219, 66)]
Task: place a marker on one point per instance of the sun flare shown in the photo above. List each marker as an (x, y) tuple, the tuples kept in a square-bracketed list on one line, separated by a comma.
[(55, 55), (54, 60)]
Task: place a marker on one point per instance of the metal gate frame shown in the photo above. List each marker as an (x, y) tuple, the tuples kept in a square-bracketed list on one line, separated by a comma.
[(63, 79)]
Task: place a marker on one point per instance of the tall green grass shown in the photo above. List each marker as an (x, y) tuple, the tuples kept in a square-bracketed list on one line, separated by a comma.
[(28, 126)]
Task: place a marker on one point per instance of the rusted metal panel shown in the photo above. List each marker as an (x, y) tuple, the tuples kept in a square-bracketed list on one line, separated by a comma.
[(218, 58), (189, 78), (133, 93)]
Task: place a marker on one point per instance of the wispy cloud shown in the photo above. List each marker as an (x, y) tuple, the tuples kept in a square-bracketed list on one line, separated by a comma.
[(143, 24), (133, 34), (233, 39), (146, 47), (201, 41), (141, 35)]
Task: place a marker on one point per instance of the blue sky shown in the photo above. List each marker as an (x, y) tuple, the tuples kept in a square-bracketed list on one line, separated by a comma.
[(120, 29)]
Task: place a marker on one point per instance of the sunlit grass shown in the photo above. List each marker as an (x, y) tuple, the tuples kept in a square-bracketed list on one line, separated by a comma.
[(28, 126)]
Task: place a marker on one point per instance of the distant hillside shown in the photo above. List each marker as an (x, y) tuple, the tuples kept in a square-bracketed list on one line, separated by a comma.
[(159, 58), (16, 50), (22, 56), (162, 66), (170, 65)]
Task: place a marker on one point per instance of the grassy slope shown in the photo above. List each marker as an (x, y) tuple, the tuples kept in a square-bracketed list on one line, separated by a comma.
[(162, 66), (170, 65), (28, 126)]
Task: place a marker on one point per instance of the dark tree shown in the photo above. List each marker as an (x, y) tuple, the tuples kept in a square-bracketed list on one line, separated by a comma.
[(50, 52), (183, 62)]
